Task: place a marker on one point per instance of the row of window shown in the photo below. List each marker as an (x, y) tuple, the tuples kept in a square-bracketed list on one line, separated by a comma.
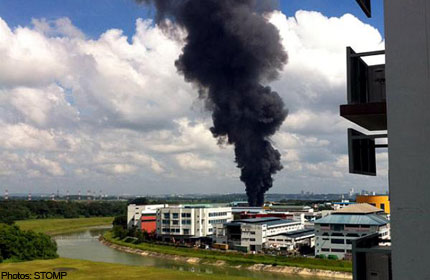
[(222, 221), (217, 214), (246, 239), (176, 215), (335, 250), (176, 230)]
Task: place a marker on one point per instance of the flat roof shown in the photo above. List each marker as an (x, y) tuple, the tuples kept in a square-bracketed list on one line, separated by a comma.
[(269, 221), (358, 208), (297, 233)]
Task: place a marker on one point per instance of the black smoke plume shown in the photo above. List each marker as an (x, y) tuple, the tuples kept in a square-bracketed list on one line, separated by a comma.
[(230, 51)]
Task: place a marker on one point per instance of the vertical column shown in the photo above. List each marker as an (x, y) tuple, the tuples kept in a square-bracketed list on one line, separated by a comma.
[(407, 30)]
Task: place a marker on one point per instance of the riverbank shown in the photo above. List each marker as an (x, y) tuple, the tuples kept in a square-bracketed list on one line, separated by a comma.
[(62, 226), (306, 267), (87, 270)]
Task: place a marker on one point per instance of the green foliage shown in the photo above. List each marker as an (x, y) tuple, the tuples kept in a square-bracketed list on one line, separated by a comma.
[(25, 245), (120, 221), (332, 257), (15, 210), (119, 232), (322, 256)]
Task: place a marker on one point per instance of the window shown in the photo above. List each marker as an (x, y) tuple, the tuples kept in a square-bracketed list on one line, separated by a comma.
[(325, 250), (252, 232), (383, 206), (166, 215), (252, 239), (166, 222), (186, 215), (336, 234), (175, 215), (337, 227), (210, 229), (338, 250), (353, 235), (175, 222), (349, 241), (186, 231), (186, 222), (337, 241)]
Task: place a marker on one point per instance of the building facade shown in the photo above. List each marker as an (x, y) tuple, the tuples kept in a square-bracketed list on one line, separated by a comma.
[(190, 222), (334, 233), (252, 234), (143, 216), (291, 240)]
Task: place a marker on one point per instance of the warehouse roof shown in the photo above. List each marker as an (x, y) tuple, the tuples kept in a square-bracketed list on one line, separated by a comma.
[(358, 208), (353, 219)]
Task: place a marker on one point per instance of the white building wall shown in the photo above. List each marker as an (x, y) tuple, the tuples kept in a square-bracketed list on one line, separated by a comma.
[(134, 213), (191, 222), (326, 239), (407, 32)]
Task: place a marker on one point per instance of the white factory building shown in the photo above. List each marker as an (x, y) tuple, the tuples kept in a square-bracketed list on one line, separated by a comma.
[(135, 212), (334, 233), (190, 222), (253, 234)]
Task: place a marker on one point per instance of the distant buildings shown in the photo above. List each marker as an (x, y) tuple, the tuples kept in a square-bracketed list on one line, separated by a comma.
[(334, 233)]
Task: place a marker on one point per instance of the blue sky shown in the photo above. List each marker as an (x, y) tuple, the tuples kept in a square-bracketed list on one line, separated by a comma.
[(94, 19)]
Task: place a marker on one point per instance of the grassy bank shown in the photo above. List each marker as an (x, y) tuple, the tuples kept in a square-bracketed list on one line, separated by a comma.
[(238, 258), (83, 270), (61, 226)]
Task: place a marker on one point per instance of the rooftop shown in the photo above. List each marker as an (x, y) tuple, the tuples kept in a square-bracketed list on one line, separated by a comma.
[(299, 233), (358, 208), (353, 219), (269, 221)]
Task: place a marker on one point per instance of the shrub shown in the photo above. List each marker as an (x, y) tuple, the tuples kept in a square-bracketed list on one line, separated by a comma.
[(25, 245), (332, 257), (322, 256)]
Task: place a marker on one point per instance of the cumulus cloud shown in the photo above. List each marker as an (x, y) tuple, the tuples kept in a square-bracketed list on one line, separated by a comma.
[(113, 111)]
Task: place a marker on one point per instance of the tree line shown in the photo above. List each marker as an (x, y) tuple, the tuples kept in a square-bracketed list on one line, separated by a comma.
[(14, 210)]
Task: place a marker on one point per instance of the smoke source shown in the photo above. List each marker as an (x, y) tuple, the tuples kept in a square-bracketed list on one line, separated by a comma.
[(230, 51)]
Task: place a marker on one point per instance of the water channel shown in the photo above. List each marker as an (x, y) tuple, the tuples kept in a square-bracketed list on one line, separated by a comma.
[(85, 246)]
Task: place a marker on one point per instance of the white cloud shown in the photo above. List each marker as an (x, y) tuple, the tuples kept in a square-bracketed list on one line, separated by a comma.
[(194, 162), (77, 111)]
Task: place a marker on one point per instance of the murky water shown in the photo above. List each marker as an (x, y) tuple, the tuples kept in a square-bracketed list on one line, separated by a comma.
[(85, 246)]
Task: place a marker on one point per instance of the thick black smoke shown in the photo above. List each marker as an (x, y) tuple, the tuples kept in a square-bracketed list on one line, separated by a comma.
[(230, 50)]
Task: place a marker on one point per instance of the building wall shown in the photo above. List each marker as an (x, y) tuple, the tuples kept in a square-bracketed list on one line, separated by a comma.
[(190, 222), (379, 201), (148, 222), (335, 240), (134, 213), (407, 30)]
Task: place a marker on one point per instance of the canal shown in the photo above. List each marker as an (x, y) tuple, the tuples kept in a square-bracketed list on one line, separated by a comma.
[(85, 246)]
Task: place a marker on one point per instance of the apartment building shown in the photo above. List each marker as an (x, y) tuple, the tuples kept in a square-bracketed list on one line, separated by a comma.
[(143, 216), (253, 234), (190, 222), (334, 233)]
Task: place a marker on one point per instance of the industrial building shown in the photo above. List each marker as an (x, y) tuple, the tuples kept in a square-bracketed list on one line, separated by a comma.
[(143, 217), (293, 240), (334, 233), (190, 222), (379, 201), (253, 234)]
